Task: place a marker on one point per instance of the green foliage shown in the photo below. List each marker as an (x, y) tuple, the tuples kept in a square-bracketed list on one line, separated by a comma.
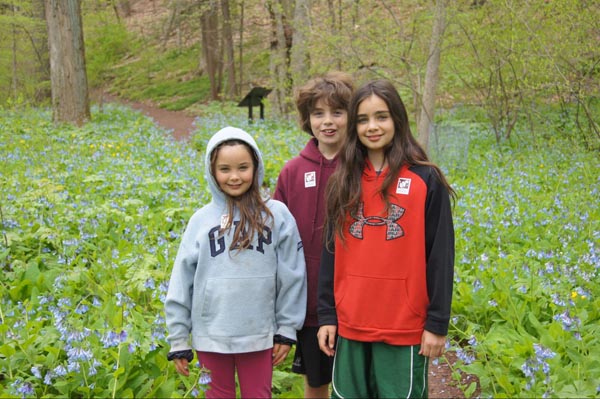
[(24, 71), (91, 219), (527, 260), (106, 45), (168, 78), (516, 57), (509, 58)]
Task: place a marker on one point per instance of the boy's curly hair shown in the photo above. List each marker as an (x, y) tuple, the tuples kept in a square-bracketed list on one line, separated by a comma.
[(334, 88)]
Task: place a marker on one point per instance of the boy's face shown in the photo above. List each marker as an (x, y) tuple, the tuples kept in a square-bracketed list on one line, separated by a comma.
[(329, 127)]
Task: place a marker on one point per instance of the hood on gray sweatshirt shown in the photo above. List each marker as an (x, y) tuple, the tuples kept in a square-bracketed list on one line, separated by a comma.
[(226, 134), (235, 302)]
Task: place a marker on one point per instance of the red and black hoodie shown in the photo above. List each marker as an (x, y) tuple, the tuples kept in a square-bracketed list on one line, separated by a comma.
[(393, 276)]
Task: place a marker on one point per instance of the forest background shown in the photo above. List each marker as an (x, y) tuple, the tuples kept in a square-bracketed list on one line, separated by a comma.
[(505, 95), (508, 60)]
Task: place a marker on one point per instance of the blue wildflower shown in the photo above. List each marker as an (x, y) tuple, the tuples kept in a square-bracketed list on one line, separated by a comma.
[(35, 370), (111, 338), (158, 333), (64, 302), (543, 353), (205, 377), (82, 309), (77, 336), (79, 354), (149, 283), (528, 369), (60, 371), (23, 387), (73, 366), (546, 368), (163, 286), (466, 357), (567, 321), (557, 301), (44, 299)]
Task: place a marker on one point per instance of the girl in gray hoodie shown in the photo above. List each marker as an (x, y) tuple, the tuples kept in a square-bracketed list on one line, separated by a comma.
[(237, 292)]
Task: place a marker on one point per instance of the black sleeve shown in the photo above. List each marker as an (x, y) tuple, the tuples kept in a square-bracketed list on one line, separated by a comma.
[(326, 301), (280, 339), (439, 246), (184, 354)]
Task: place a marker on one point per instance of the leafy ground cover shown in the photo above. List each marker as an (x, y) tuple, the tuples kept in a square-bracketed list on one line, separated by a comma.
[(91, 217)]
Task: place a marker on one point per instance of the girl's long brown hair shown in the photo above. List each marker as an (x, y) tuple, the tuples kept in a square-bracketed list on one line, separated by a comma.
[(254, 213), (344, 186)]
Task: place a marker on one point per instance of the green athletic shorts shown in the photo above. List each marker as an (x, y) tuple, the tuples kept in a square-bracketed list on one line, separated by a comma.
[(378, 370)]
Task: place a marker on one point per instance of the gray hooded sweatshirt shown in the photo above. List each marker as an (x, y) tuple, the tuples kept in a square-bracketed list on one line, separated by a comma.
[(232, 301)]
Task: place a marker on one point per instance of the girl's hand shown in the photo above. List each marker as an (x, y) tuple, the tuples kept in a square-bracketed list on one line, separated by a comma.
[(432, 345), (326, 337), (280, 352), (181, 365)]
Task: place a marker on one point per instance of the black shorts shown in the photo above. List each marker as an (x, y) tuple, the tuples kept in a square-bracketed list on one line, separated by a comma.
[(310, 360)]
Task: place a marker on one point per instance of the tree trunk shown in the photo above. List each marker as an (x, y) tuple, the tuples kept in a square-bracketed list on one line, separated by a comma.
[(228, 48), (14, 85), (241, 49), (124, 7), (40, 45), (70, 100), (281, 43), (210, 43), (300, 58), (431, 74)]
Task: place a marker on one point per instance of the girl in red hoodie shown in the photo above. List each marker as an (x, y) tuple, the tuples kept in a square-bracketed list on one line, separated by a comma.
[(386, 275)]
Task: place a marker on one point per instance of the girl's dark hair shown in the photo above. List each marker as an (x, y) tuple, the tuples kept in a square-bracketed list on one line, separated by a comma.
[(254, 213), (344, 186), (334, 88)]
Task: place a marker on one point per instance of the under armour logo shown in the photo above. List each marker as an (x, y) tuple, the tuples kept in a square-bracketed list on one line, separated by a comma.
[(394, 230)]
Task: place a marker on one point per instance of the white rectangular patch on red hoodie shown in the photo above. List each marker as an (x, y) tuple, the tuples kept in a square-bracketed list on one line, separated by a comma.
[(310, 179), (403, 186)]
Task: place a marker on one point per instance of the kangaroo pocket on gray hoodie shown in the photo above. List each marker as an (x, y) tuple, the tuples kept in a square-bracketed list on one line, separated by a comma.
[(238, 306)]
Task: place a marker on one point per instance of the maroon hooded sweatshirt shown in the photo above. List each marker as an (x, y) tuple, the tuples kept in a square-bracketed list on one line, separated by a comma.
[(301, 186)]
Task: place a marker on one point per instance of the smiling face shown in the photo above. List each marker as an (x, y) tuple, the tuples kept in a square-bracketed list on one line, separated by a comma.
[(374, 125), (234, 169), (328, 125)]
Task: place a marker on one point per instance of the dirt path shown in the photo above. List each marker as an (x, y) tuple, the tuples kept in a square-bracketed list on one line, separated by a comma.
[(181, 125)]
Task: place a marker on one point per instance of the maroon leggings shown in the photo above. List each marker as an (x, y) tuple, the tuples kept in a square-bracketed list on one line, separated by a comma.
[(254, 369)]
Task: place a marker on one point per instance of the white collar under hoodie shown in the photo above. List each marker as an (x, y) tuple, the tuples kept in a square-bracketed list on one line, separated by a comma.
[(235, 301)]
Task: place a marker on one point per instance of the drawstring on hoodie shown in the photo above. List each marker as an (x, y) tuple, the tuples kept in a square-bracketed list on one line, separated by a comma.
[(318, 192)]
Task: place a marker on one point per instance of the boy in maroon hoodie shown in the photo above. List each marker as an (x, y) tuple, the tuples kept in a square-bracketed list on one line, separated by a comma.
[(322, 105)]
